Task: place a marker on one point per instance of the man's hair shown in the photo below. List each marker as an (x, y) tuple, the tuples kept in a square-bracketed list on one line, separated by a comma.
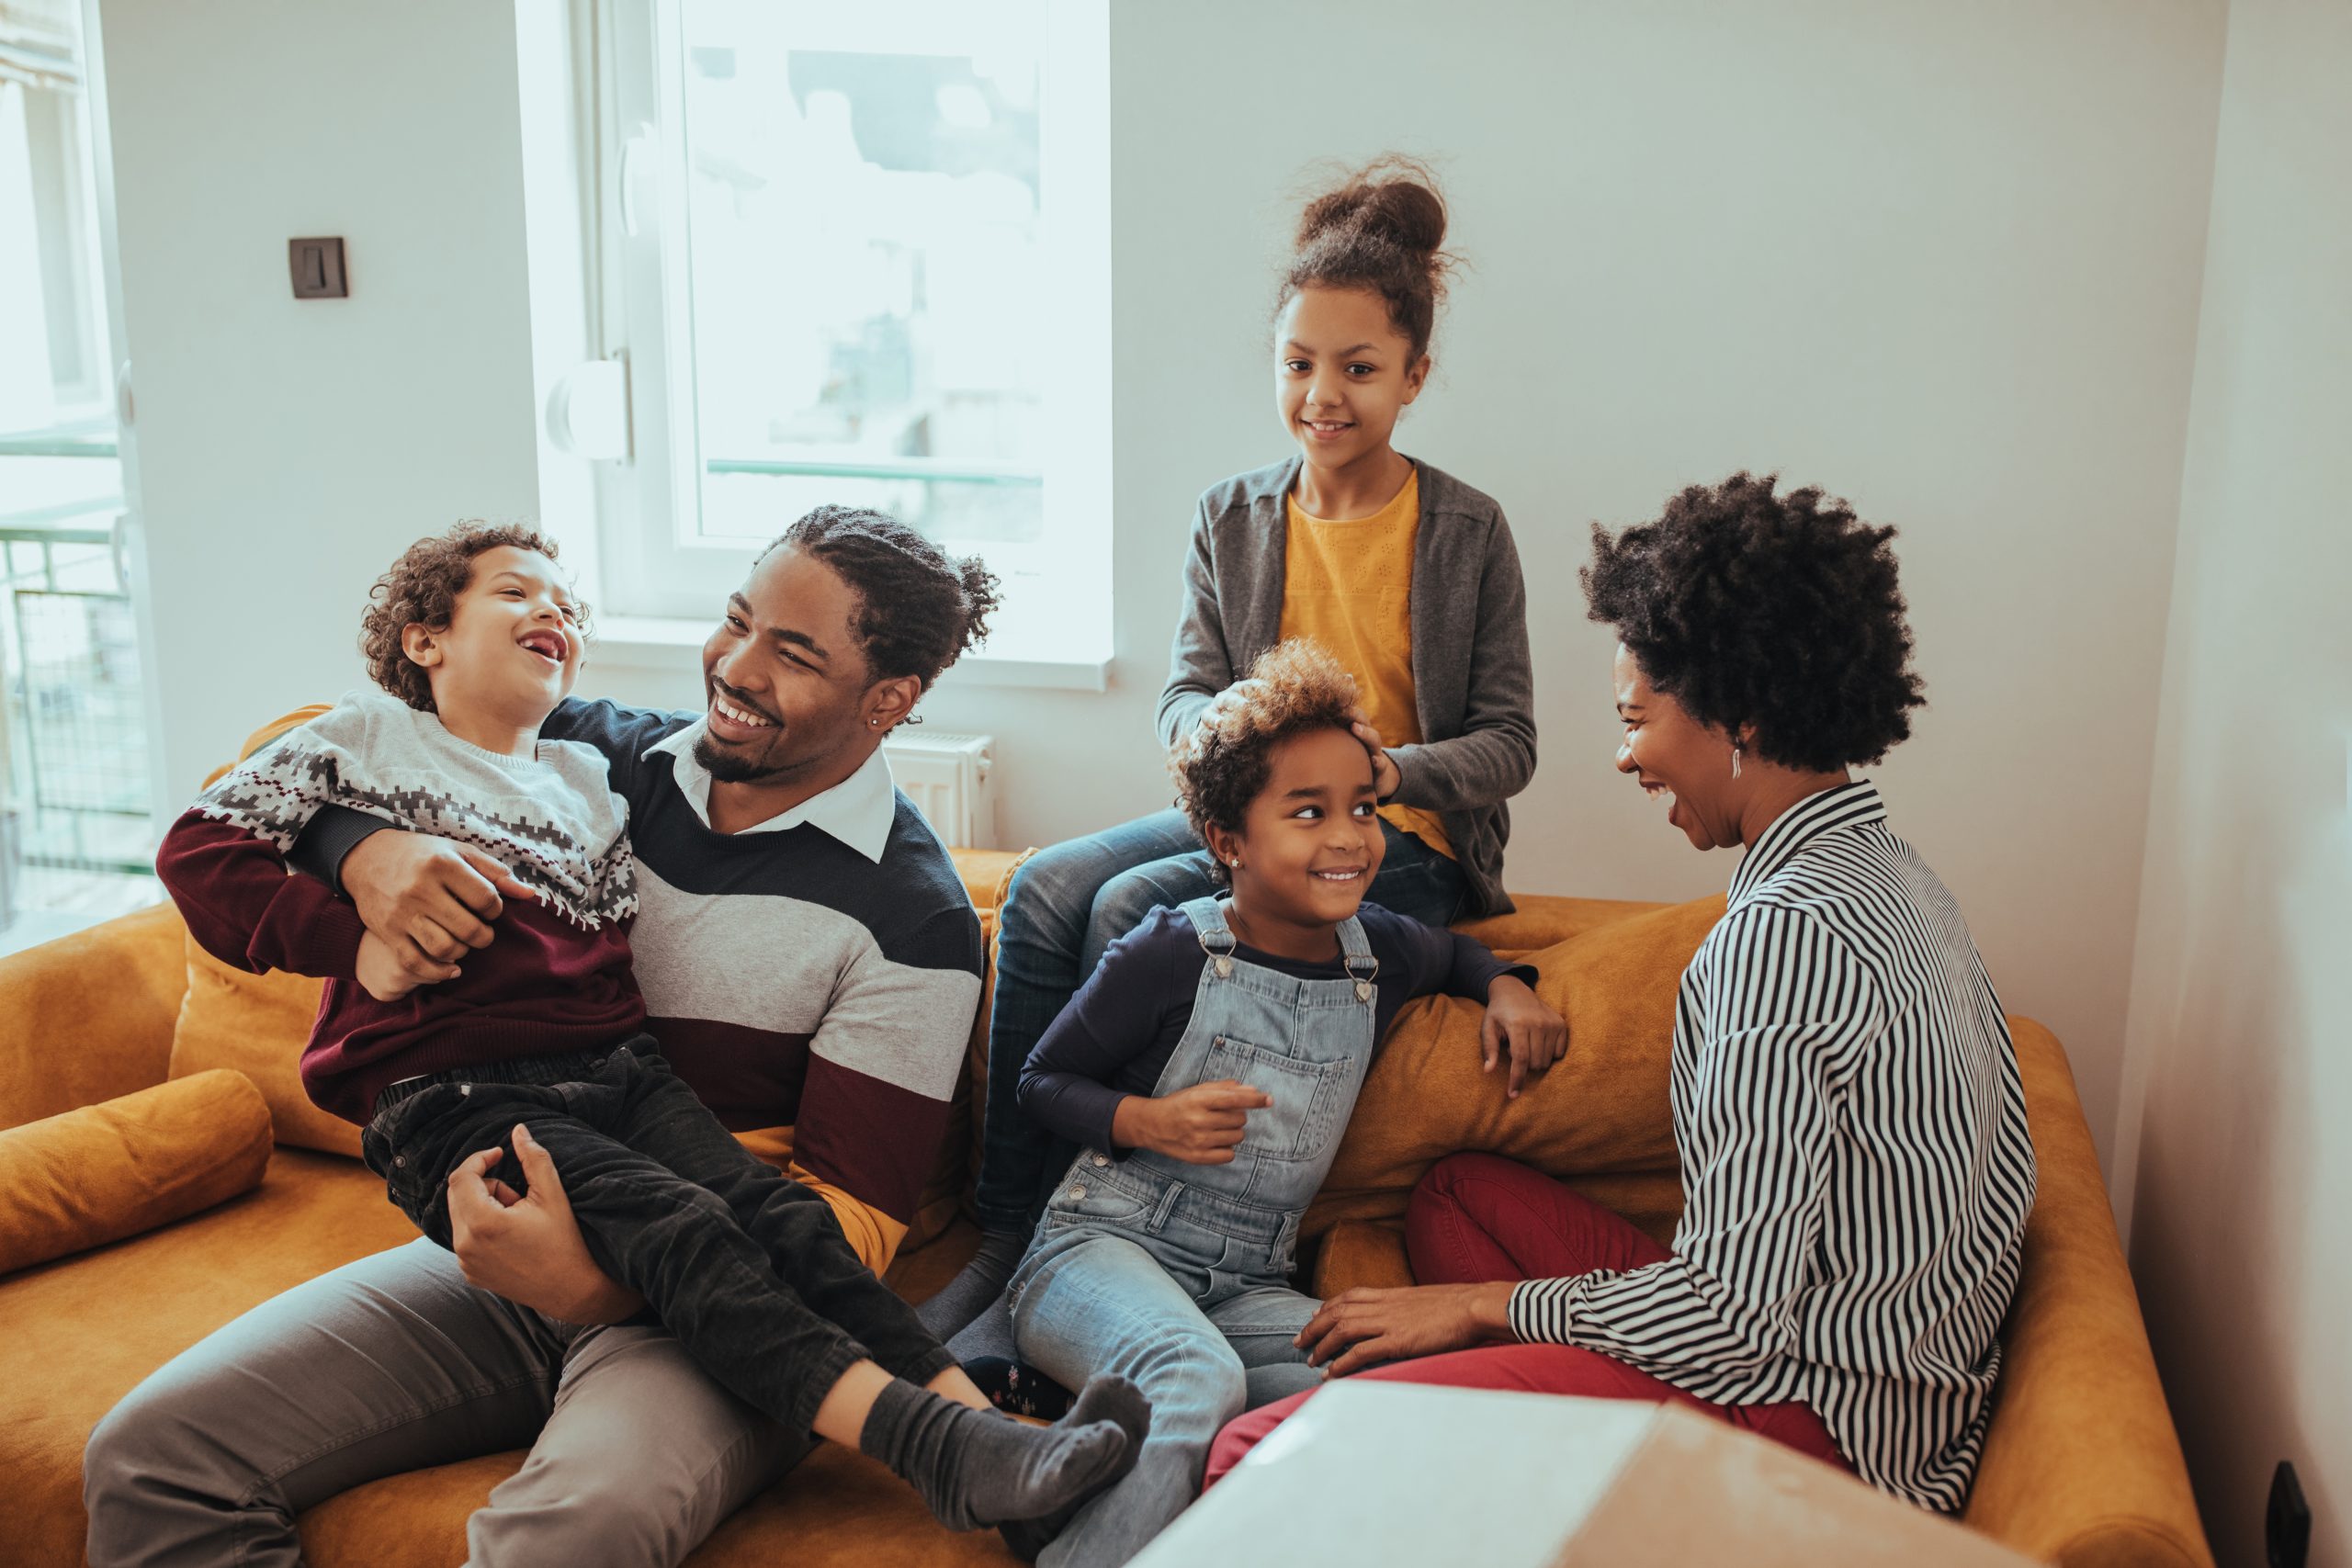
[(918, 609), (1224, 761), (423, 588), (1777, 611)]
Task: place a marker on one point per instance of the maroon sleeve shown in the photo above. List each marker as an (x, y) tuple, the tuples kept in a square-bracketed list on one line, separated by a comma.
[(242, 906)]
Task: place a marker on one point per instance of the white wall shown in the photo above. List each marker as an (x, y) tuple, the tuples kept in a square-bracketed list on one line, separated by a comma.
[(1942, 259), (289, 449), (2239, 1079)]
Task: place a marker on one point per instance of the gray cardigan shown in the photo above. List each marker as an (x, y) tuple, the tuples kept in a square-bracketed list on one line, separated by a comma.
[(1473, 686)]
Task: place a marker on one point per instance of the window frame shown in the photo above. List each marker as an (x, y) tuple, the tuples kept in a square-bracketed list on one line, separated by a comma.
[(659, 578)]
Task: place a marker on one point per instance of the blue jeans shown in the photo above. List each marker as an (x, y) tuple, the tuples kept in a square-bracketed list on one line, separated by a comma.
[(1069, 903), (1104, 1304)]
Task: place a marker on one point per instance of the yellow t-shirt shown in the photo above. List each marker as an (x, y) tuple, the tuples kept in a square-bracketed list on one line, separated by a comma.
[(1349, 585)]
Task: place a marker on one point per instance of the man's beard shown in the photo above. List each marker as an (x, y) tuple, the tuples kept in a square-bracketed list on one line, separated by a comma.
[(726, 767)]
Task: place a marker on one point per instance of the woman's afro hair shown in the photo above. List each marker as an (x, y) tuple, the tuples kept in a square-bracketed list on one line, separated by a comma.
[(1223, 764), (1779, 615)]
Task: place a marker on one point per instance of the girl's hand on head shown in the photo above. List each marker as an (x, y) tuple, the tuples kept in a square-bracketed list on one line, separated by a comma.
[(1200, 1125), (1517, 1021), (1386, 778)]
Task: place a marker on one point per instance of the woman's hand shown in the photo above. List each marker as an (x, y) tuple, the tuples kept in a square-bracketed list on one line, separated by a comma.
[(528, 1247), (1518, 1019), (1358, 1327), (428, 900), (1386, 779), (1200, 1125)]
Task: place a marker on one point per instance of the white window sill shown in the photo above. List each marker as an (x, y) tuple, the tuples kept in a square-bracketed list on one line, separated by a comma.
[(662, 644)]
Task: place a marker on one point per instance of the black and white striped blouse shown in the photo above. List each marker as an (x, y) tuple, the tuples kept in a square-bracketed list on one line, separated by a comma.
[(1856, 1172)]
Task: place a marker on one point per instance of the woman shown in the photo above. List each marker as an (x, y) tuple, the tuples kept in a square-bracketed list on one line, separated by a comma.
[(1856, 1171), (1407, 575)]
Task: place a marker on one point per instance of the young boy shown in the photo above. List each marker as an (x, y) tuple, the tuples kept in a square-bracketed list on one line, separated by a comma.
[(475, 640)]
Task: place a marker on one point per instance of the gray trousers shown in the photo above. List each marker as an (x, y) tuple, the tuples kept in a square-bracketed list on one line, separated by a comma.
[(394, 1364)]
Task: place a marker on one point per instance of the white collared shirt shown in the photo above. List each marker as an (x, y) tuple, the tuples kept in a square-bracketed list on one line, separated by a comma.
[(858, 810)]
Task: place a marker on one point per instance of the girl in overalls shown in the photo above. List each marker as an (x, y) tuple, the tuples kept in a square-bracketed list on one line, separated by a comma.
[(1207, 1070)]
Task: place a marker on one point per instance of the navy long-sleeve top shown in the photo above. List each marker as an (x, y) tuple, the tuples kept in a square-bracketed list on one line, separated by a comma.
[(1117, 1034)]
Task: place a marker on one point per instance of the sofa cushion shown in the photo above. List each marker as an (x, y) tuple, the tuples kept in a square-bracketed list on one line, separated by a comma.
[(256, 1024), (69, 1349), (1601, 1112), (95, 1175), (78, 1333)]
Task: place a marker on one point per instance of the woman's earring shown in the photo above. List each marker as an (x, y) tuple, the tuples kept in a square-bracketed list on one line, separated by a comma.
[(1735, 761)]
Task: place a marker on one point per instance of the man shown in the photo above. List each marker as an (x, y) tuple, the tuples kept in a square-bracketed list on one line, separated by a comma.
[(810, 966)]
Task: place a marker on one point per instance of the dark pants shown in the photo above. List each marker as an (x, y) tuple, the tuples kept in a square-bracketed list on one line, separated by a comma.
[(747, 1266)]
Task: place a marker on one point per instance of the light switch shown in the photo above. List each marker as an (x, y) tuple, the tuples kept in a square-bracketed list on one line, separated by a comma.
[(317, 265)]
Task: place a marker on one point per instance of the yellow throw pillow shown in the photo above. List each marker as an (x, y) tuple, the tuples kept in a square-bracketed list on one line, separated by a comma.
[(258, 1025), (111, 1170), (1602, 1114)]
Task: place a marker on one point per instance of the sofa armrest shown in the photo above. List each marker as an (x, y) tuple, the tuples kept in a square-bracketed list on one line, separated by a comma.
[(2082, 1466), (90, 1017), (89, 1177)]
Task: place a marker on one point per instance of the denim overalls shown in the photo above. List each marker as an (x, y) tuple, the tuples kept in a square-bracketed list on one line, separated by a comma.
[(1176, 1275)]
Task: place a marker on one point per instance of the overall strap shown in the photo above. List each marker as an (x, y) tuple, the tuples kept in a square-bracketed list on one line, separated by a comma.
[(1216, 938), (1356, 953)]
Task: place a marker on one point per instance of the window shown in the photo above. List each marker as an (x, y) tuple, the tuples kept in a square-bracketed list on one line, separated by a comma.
[(859, 255), (75, 835)]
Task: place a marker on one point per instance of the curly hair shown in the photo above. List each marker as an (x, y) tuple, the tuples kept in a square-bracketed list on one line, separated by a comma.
[(421, 589), (918, 609), (1778, 615), (1222, 764), (1378, 229)]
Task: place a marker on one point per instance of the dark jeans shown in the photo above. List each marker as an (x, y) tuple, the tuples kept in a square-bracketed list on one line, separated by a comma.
[(745, 1266), (1069, 903)]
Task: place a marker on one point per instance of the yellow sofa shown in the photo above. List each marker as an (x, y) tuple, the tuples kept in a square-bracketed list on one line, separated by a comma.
[(2082, 1466)]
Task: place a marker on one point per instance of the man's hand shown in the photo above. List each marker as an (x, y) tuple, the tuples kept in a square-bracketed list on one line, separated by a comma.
[(528, 1247), (428, 900), (1200, 1125), (1386, 778), (1518, 1019), (380, 973), (1365, 1325)]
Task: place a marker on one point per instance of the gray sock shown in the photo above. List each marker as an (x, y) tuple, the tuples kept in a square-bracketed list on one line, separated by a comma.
[(976, 1467), (974, 1291), (1105, 1399)]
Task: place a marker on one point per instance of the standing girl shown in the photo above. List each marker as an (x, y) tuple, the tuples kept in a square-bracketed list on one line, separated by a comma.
[(1408, 575)]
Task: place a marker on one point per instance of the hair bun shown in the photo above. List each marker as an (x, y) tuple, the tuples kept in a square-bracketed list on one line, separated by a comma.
[(1395, 197)]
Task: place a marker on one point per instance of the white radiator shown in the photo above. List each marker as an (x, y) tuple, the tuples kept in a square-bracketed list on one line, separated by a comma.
[(947, 777)]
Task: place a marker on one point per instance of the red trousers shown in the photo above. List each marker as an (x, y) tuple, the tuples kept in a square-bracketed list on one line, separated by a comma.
[(1479, 1218)]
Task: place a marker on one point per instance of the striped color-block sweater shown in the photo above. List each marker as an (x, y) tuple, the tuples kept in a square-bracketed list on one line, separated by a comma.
[(1856, 1173)]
